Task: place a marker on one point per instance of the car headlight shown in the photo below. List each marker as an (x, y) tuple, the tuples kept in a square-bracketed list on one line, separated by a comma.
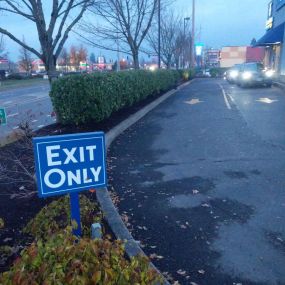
[(269, 73), (233, 74), (246, 75)]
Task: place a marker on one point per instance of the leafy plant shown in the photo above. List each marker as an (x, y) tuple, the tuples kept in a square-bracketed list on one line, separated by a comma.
[(56, 216), (64, 260), (1, 223)]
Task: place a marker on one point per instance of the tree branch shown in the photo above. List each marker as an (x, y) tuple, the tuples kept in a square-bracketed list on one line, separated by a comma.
[(12, 37)]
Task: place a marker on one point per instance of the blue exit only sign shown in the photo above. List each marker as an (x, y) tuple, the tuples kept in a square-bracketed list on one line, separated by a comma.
[(70, 163)]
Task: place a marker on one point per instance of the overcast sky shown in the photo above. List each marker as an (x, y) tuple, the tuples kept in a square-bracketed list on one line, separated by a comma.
[(219, 23)]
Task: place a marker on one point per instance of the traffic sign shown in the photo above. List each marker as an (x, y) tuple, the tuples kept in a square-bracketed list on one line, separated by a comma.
[(3, 118), (70, 164)]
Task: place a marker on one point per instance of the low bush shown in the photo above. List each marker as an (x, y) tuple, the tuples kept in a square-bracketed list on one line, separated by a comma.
[(63, 259), (16, 76), (187, 74), (58, 257), (217, 71), (56, 216), (94, 97)]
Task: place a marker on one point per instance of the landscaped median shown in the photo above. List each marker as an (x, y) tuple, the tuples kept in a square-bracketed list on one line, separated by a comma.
[(55, 256), (94, 97)]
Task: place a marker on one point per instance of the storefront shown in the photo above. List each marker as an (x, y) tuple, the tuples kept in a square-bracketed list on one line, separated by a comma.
[(273, 40)]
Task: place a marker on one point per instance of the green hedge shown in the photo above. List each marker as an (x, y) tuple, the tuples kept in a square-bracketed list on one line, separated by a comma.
[(94, 97)]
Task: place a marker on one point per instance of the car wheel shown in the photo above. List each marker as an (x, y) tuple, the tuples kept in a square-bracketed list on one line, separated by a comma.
[(268, 85)]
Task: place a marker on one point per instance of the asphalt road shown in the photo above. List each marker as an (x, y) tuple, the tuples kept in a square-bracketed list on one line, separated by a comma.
[(201, 182), (26, 104)]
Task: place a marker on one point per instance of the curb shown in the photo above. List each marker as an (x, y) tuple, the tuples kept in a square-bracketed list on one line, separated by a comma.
[(110, 212)]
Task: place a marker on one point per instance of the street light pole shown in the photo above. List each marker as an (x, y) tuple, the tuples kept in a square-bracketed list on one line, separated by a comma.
[(159, 39), (184, 40), (193, 35)]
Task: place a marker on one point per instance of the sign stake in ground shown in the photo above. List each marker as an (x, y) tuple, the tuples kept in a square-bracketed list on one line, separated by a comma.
[(69, 164), (3, 117)]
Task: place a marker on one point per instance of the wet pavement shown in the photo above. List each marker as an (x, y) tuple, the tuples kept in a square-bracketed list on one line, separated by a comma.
[(30, 105), (201, 181)]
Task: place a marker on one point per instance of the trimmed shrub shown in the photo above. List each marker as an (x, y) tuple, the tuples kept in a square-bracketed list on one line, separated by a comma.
[(94, 97), (186, 74)]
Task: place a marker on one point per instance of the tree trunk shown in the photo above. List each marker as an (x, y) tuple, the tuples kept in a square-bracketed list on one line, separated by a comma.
[(136, 59), (168, 63), (50, 65)]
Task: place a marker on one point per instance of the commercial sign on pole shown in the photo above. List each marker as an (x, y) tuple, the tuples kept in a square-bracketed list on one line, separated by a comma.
[(3, 117), (70, 164)]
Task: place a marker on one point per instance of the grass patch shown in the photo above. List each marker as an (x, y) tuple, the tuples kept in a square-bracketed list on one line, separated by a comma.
[(13, 83)]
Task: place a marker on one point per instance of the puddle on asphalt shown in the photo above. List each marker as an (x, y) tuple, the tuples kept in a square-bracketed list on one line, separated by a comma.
[(186, 201)]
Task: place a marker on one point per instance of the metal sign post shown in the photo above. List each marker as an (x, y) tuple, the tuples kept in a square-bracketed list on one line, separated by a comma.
[(68, 164), (75, 213)]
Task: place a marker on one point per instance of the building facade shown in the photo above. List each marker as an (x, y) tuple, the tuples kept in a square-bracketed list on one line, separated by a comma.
[(274, 38), (240, 54), (212, 57)]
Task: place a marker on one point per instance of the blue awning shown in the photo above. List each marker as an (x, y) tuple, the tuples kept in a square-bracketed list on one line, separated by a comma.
[(273, 36)]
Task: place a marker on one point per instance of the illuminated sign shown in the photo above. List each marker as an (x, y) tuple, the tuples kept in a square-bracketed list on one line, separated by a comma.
[(199, 48), (269, 24)]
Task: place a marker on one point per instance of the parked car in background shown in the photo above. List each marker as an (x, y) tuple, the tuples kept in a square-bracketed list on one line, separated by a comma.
[(254, 74), (233, 73)]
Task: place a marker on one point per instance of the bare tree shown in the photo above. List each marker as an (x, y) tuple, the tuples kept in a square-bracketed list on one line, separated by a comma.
[(175, 40), (26, 61), (77, 55), (126, 21), (64, 59), (52, 35), (182, 53), (171, 30)]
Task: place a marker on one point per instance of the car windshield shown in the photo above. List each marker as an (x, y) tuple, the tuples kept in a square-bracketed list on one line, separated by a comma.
[(253, 67)]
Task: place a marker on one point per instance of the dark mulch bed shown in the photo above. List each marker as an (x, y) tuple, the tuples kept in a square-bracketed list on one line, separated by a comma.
[(17, 204)]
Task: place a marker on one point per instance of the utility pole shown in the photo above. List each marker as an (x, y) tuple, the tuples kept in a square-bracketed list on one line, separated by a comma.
[(184, 40), (193, 36), (159, 39)]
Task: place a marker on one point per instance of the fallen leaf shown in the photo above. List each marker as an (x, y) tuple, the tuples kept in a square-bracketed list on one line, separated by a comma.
[(181, 272), (201, 271), (195, 191), (154, 255)]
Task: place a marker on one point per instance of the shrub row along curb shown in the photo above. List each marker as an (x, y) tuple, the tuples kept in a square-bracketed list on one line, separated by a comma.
[(94, 97), (112, 216)]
